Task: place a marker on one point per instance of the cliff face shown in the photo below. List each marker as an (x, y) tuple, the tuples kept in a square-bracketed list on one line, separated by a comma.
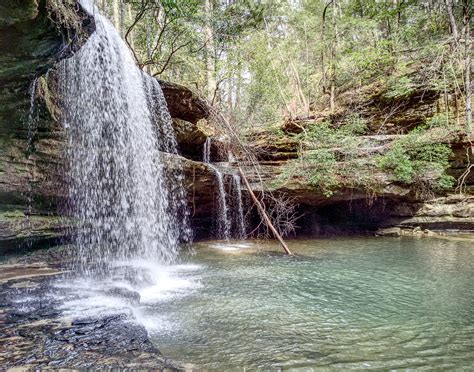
[(33, 36), (338, 180)]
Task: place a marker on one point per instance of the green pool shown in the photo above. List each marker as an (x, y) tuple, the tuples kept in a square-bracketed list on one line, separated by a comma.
[(340, 303)]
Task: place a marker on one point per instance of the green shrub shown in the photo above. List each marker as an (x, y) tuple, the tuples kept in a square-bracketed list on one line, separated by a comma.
[(414, 160), (322, 173), (399, 87), (438, 121), (354, 125), (444, 182), (399, 162)]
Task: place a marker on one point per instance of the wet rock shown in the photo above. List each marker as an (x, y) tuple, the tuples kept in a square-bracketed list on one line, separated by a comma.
[(32, 40), (34, 334), (132, 297), (35, 34), (15, 272)]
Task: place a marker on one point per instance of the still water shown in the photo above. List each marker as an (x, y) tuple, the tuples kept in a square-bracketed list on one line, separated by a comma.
[(340, 303)]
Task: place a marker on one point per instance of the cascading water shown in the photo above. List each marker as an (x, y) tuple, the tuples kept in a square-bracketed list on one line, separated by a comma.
[(174, 175), (32, 124), (206, 156), (223, 221), (239, 210), (160, 116), (116, 174), (32, 118)]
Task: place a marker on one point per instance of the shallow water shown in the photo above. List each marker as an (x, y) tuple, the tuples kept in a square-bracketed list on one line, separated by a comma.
[(347, 303)]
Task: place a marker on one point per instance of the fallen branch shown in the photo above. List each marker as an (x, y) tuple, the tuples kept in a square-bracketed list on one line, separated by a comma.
[(267, 220)]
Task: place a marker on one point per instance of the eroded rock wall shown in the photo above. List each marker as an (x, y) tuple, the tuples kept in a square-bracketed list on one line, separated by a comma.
[(33, 36)]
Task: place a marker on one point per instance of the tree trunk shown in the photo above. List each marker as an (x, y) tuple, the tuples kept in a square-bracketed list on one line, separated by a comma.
[(238, 83), (468, 85), (130, 20), (467, 63), (103, 6), (117, 12), (332, 92), (148, 43), (210, 52), (265, 217), (230, 82), (452, 20)]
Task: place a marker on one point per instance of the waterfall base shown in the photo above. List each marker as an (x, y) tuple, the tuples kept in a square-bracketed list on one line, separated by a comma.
[(36, 331)]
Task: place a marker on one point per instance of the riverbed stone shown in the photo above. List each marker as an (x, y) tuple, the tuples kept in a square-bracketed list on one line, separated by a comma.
[(35, 334)]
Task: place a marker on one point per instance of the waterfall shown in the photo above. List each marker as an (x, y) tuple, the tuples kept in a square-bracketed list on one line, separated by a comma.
[(163, 126), (32, 125), (239, 211), (226, 217), (161, 118), (32, 118), (223, 221), (206, 157), (115, 118)]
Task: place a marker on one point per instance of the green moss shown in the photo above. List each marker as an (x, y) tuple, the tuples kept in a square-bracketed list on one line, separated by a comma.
[(12, 214), (48, 98)]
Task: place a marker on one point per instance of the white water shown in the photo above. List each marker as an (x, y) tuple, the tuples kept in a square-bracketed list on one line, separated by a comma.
[(230, 220), (223, 221), (206, 156), (174, 176), (239, 209), (116, 121), (32, 125), (32, 118)]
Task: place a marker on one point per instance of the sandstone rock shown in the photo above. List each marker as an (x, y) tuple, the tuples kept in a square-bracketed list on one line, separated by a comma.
[(190, 138), (391, 231), (268, 146), (33, 38), (183, 103)]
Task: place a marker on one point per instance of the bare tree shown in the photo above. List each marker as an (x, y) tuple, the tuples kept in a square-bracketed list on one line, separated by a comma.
[(467, 17), (452, 19), (210, 52), (117, 14)]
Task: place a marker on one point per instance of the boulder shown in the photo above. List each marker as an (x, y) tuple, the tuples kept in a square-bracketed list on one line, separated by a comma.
[(183, 103), (390, 231), (190, 138)]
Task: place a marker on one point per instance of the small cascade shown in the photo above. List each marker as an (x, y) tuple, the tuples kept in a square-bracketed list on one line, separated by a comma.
[(116, 121), (238, 212), (161, 118), (32, 126), (32, 118), (206, 158), (230, 222), (223, 221)]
